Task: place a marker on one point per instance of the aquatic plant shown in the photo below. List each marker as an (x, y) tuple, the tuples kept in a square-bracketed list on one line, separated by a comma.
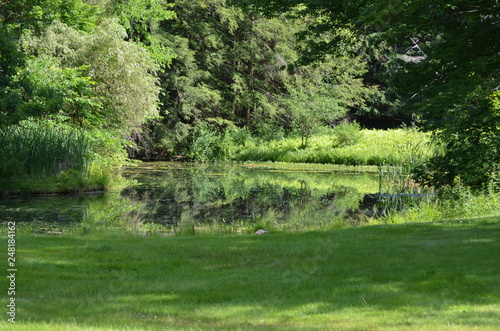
[(45, 157), (32, 149)]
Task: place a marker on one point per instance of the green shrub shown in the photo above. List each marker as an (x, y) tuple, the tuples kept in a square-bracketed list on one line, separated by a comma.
[(216, 140), (347, 133)]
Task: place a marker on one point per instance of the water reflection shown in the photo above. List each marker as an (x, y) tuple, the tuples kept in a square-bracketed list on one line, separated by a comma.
[(187, 198), (287, 197)]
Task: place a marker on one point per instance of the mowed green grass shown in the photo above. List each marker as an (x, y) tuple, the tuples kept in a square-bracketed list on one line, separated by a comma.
[(441, 276)]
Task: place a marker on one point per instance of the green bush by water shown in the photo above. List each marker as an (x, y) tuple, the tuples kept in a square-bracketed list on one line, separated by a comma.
[(215, 140)]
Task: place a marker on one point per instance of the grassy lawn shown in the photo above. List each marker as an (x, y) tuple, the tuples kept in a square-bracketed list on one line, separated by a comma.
[(441, 276)]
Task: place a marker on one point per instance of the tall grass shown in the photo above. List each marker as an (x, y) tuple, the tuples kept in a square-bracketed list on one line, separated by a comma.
[(33, 149), (44, 157), (372, 147), (452, 203)]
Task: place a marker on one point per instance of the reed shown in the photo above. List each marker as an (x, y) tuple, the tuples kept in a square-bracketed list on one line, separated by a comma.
[(452, 203), (42, 156), (40, 150)]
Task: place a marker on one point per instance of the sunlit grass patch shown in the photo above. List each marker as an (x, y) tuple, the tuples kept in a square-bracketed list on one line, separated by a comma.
[(374, 147)]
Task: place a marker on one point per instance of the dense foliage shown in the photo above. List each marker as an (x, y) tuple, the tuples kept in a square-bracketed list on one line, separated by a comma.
[(443, 67), (71, 65), (199, 79), (235, 72)]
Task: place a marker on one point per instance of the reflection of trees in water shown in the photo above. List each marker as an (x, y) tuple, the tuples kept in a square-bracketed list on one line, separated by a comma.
[(233, 195), (205, 196)]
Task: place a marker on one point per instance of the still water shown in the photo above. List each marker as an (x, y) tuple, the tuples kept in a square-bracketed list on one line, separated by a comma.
[(175, 198)]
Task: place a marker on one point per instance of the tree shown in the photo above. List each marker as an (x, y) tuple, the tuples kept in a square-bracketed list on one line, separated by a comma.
[(450, 86), (321, 93), (142, 19), (11, 59), (84, 66), (227, 65), (454, 88), (36, 15), (42, 89), (233, 63), (121, 73)]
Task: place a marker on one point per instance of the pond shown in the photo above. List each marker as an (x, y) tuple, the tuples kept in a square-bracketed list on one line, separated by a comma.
[(183, 198)]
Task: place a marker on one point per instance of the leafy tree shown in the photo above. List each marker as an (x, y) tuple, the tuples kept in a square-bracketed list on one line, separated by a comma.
[(225, 66), (11, 59), (453, 89), (321, 93), (142, 20), (233, 63), (35, 15), (450, 84), (86, 64), (42, 89), (121, 72)]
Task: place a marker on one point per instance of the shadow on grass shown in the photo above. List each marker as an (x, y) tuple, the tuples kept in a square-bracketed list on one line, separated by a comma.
[(427, 274)]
